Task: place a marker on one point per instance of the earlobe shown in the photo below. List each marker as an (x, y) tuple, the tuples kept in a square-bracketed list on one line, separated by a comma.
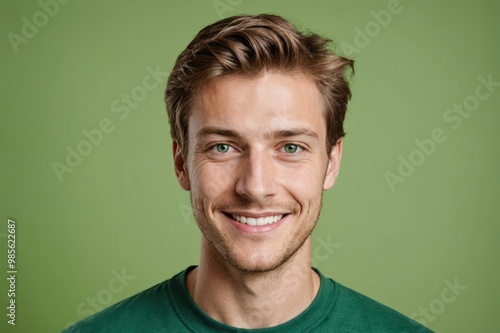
[(333, 167), (180, 166)]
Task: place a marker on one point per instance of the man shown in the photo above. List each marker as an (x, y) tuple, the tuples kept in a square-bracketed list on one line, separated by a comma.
[(256, 111)]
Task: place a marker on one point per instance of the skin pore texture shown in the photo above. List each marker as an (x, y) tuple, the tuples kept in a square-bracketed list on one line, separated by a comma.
[(256, 167)]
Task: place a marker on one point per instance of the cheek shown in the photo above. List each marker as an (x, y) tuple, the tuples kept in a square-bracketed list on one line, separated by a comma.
[(304, 183), (302, 189), (210, 180), (309, 174)]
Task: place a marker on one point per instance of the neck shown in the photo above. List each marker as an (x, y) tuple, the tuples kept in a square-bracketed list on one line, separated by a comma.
[(253, 300)]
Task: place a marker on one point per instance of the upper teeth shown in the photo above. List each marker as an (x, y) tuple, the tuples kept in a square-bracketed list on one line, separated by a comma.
[(258, 220)]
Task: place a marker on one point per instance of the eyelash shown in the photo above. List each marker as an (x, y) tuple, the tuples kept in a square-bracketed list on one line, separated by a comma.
[(214, 147), (300, 147)]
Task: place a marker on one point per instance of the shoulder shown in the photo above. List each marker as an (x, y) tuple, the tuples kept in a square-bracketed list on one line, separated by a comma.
[(355, 312), (142, 312)]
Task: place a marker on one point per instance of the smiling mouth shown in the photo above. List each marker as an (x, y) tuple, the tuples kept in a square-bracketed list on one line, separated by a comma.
[(257, 220)]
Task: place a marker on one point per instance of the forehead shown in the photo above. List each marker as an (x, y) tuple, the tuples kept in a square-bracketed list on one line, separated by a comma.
[(270, 100)]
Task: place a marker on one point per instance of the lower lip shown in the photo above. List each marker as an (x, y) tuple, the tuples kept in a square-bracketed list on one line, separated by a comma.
[(256, 229)]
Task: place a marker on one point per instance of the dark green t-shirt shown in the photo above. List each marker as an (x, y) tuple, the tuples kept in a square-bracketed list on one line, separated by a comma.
[(168, 307)]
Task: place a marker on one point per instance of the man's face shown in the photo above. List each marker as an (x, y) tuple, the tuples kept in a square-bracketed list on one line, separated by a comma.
[(257, 166)]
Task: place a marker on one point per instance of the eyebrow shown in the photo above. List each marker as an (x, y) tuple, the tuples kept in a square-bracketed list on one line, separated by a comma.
[(218, 131), (292, 132), (277, 134)]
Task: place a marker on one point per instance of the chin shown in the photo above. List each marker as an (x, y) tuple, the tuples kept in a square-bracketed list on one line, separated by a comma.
[(258, 263), (255, 268)]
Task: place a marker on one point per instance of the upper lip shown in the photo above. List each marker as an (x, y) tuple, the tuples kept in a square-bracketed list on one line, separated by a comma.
[(255, 214)]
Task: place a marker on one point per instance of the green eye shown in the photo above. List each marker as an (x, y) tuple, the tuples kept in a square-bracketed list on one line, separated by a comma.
[(222, 148), (291, 148)]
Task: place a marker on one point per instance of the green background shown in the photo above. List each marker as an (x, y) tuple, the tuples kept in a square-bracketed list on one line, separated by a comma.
[(122, 209)]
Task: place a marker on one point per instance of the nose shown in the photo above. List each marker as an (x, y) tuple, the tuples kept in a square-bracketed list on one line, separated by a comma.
[(257, 179)]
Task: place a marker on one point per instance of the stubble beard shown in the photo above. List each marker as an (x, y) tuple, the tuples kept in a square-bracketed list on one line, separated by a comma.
[(221, 245)]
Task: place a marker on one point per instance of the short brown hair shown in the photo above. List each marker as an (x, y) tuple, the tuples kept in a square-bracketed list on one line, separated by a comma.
[(249, 45)]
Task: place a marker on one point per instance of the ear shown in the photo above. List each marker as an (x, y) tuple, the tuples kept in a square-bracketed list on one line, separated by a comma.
[(180, 167), (333, 168)]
